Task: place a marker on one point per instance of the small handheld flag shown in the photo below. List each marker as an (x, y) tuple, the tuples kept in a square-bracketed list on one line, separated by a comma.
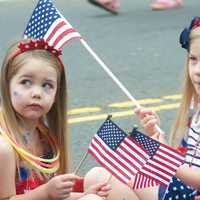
[(47, 23), (162, 163), (136, 159), (117, 152)]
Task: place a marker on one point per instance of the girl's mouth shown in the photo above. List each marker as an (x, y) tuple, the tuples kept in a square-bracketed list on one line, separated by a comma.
[(35, 107)]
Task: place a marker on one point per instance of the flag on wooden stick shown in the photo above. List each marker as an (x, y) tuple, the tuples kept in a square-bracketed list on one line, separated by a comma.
[(117, 152), (47, 23), (135, 159), (162, 163)]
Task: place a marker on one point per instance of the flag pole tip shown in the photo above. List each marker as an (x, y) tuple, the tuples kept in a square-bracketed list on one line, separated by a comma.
[(135, 127), (109, 117)]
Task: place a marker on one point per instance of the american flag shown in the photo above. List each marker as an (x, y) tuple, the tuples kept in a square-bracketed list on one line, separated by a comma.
[(117, 152), (142, 181), (163, 160), (46, 22)]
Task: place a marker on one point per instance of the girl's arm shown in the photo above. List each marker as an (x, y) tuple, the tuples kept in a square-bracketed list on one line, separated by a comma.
[(7, 169), (58, 187), (190, 176), (7, 176)]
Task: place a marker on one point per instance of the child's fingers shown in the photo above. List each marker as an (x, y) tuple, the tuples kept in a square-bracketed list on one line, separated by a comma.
[(142, 112), (149, 118), (99, 186), (67, 185), (65, 196), (136, 110), (146, 112), (106, 187), (69, 177), (103, 193), (150, 124), (66, 191)]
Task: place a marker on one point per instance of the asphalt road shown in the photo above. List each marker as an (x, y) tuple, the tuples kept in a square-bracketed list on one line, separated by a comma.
[(140, 47)]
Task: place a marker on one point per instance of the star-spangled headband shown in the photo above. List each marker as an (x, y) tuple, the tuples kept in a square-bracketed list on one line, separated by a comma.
[(184, 36), (38, 44)]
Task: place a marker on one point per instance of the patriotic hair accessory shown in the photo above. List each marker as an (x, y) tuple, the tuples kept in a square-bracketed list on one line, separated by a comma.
[(184, 37), (38, 44)]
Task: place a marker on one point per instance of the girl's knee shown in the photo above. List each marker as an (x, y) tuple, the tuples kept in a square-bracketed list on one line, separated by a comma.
[(118, 190), (95, 175), (91, 197)]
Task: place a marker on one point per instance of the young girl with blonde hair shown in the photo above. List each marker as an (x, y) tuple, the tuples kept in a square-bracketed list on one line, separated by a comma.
[(33, 134), (185, 133)]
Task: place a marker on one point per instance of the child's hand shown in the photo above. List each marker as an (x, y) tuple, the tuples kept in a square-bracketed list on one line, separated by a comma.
[(148, 120), (100, 189), (60, 187), (197, 197)]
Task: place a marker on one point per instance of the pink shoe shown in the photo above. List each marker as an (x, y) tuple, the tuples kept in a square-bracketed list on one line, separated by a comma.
[(166, 4), (111, 6)]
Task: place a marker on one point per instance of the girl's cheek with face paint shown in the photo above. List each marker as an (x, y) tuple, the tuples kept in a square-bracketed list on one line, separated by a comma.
[(16, 98), (15, 94)]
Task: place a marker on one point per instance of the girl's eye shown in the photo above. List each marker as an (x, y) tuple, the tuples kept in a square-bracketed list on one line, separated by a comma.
[(193, 59), (48, 86), (26, 82)]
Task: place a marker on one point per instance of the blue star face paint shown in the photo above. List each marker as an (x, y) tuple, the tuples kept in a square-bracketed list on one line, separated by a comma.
[(15, 93)]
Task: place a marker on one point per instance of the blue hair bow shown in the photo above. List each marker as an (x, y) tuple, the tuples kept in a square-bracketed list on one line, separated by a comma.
[(184, 36)]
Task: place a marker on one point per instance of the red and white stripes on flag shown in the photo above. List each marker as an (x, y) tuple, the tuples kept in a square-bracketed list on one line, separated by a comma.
[(124, 162), (136, 159), (142, 181), (47, 23), (162, 166), (60, 33)]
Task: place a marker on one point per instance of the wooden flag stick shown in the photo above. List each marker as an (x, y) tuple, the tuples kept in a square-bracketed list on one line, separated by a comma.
[(109, 72), (115, 79), (109, 178), (80, 163), (85, 156)]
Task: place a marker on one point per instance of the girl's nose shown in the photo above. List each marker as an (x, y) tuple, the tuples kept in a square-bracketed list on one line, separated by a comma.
[(36, 93), (198, 70)]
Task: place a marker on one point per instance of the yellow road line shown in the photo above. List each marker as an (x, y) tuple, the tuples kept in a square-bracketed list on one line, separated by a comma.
[(84, 110), (172, 97), (120, 114), (125, 104)]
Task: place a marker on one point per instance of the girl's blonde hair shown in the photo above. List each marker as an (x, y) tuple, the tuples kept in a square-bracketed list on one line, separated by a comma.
[(189, 98), (56, 118)]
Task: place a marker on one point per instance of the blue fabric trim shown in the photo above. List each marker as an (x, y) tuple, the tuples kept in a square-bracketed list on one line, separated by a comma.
[(184, 143), (161, 192)]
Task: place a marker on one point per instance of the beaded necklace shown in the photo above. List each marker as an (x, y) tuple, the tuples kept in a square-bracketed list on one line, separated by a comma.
[(44, 165)]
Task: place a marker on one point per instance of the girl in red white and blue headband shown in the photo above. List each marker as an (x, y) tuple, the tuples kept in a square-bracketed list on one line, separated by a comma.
[(33, 133)]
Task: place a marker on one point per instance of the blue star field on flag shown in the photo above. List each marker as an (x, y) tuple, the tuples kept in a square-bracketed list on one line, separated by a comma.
[(41, 20), (149, 144), (47, 23), (111, 134)]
